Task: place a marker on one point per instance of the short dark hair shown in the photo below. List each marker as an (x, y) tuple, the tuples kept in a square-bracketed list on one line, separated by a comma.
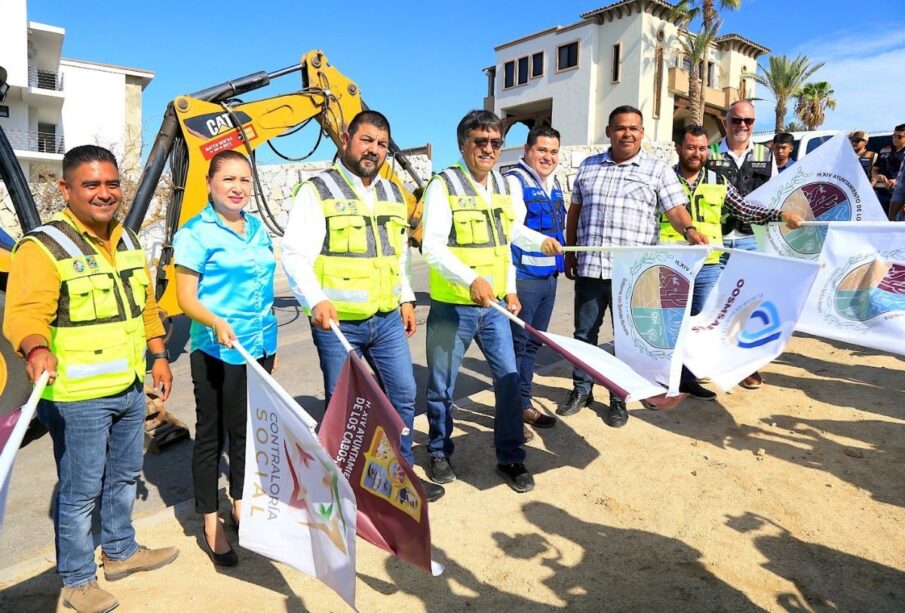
[(783, 138), (85, 154), (372, 118), (477, 120), (621, 110), (541, 132), (694, 130), (899, 128), (221, 158)]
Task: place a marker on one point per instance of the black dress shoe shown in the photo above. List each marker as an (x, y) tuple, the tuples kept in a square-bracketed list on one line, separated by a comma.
[(616, 415), (516, 476), (433, 491), (228, 558), (576, 401), (441, 470), (693, 388)]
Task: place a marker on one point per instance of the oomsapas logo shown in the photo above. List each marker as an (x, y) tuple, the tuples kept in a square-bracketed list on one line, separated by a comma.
[(755, 325)]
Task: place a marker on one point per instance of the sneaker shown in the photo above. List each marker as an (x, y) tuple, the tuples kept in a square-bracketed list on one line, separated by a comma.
[(693, 388), (576, 401), (616, 415), (516, 476), (143, 559), (752, 381), (89, 598), (441, 470)]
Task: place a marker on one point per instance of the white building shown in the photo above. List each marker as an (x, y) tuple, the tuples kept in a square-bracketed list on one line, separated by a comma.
[(54, 104), (572, 76)]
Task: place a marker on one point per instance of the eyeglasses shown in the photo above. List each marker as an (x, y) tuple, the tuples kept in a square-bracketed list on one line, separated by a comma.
[(737, 121), (857, 140), (483, 141)]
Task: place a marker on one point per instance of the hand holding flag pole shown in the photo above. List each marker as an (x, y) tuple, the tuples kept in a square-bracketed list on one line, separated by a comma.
[(309, 421), (10, 440)]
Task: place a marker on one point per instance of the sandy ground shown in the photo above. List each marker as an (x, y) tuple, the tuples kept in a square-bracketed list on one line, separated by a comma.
[(791, 497)]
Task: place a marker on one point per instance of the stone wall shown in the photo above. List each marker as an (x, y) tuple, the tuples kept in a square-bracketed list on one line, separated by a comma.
[(278, 181), (571, 157)]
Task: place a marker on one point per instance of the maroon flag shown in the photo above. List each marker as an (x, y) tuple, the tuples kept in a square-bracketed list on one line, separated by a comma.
[(362, 432)]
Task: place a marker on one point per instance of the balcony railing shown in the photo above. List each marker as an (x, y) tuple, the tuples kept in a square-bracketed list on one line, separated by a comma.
[(40, 142), (45, 79)]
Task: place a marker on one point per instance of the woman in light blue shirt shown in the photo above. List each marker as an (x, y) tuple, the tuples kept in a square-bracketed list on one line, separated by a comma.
[(224, 283)]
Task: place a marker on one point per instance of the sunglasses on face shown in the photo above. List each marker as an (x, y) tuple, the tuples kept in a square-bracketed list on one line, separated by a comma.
[(857, 140), (483, 141), (737, 121)]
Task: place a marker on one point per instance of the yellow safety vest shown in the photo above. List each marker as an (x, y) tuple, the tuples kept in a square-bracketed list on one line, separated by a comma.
[(358, 266), (479, 235), (705, 207), (98, 335)]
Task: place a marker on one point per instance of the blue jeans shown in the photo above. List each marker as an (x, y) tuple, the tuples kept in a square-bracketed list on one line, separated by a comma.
[(97, 445), (704, 282), (450, 330), (746, 243), (382, 342), (537, 297), (592, 298)]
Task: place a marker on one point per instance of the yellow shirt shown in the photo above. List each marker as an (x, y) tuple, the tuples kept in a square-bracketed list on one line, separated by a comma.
[(33, 288)]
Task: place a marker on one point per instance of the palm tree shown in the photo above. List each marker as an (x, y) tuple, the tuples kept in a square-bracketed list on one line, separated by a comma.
[(812, 101), (684, 12), (695, 47), (793, 126), (687, 11), (785, 78)]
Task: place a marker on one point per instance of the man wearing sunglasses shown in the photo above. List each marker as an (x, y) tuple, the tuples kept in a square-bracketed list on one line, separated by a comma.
[(887, 168), (866, 158), (746, 166), (469, 221)]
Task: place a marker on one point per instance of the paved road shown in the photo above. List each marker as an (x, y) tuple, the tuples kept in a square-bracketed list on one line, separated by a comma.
[(166, 478)]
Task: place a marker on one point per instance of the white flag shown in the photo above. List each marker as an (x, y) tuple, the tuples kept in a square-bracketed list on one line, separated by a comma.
[(859, 294), (748, 317), (828, 184), (652, 290), (297, 507)]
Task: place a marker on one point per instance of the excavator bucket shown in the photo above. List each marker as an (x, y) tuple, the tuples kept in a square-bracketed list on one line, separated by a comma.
[(161, 428)]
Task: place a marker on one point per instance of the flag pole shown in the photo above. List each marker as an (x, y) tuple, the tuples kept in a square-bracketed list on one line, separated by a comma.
[(252, 363), (342, 337), (593, 248), (15, 437), (513, 318)]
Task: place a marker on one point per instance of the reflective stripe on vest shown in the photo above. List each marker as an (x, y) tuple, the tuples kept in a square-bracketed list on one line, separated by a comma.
[(479, 234), (545, 214), (98, 335), (705, 208), (358, 266), (756, 169)]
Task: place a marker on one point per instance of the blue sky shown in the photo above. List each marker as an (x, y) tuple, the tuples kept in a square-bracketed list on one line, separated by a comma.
[(420, 62)]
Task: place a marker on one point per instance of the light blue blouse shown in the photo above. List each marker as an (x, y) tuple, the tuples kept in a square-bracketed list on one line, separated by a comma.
[(235, 282)]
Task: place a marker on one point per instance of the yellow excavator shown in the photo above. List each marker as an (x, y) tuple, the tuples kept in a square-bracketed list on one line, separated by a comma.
[(196, 127)]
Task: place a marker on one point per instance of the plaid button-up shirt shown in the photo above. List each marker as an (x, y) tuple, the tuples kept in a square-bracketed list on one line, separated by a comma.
[(621, 205)]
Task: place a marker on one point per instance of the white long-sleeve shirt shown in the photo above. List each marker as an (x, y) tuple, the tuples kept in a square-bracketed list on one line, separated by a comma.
[(304, 237), (437, 223)]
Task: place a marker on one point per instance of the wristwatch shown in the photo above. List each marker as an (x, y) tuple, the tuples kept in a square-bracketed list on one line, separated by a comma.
[(162, 355), (685, 231)]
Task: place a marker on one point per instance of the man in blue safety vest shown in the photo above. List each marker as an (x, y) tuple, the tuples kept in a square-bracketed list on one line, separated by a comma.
[(534, 180)]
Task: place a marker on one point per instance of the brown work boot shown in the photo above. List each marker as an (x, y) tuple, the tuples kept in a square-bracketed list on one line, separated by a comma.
[(89, 598), (143, 559)]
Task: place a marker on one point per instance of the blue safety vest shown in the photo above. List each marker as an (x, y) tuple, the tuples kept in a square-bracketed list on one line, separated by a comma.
[(547, 215)]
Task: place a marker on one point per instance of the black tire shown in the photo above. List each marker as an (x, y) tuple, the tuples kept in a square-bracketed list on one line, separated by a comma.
[(14, 384)]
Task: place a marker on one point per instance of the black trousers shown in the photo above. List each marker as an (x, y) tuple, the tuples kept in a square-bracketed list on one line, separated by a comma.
[(221, 412)]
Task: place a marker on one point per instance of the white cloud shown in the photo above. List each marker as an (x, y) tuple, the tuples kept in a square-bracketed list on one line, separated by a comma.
[(864, 69)]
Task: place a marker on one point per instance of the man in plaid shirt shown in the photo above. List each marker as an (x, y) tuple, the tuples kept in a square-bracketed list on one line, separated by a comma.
[(616, 200)]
